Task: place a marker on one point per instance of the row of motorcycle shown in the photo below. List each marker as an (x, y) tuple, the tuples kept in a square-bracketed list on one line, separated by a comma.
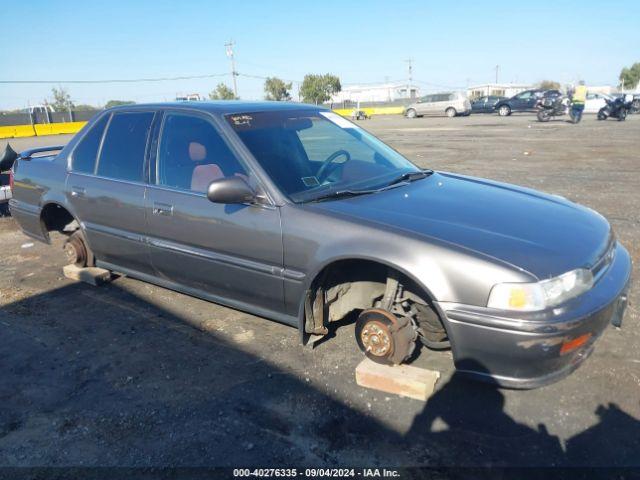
[(617, 108)]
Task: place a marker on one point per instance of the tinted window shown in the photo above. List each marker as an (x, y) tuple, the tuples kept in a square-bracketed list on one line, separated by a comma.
[(192, 154), (124, 145), (443, 97), (85, 153)]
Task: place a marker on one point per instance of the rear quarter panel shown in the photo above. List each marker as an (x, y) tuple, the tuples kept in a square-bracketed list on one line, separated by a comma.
[(37, 182)]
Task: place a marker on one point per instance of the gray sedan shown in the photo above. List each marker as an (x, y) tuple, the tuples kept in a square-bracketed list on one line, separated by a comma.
[(294, 213)]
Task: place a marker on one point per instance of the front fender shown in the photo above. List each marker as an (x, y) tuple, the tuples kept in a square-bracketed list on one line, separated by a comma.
[(314, 240)]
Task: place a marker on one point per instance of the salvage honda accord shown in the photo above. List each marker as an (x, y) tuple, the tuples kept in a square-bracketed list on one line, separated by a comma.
[(293, 213)]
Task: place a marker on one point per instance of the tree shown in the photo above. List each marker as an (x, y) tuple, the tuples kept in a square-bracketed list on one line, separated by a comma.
[(629, 77), (61, 99), (85, 108), (549, 85), (117, 103), (319, 88), (276, 89), (222, 92)]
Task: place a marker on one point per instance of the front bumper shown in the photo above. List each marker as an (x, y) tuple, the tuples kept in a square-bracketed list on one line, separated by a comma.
[(522, 350)]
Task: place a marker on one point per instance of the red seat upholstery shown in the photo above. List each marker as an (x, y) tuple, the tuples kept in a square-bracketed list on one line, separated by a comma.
[(203, 175)]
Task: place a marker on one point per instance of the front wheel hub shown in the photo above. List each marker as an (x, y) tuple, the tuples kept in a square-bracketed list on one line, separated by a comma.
[(385, 338)]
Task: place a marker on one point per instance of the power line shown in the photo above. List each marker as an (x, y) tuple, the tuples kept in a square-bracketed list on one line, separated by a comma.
[(116, 80)]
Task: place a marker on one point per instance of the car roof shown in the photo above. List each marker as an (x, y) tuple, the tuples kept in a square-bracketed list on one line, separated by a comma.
[(221, 107)]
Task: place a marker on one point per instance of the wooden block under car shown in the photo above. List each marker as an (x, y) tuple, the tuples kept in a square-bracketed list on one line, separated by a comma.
[(404, 380), (92, 275)]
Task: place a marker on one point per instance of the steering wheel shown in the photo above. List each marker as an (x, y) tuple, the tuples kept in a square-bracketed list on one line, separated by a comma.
[(323, 171)]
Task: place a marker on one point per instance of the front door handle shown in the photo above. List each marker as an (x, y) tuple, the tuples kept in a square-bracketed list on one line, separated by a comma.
[(162, 209), (77, 191)]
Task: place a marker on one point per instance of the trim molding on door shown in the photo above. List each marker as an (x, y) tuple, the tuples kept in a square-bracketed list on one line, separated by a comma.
[(262, 312)]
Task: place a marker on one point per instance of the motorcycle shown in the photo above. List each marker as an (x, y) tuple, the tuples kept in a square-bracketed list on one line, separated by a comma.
[(554, 107), (615, 108)]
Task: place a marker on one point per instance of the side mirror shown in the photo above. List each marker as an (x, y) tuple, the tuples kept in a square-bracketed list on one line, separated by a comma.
[(230, 190)]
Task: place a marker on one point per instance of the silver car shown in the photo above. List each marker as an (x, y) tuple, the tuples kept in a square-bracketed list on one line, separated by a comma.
[(450, 104), (296, 214)]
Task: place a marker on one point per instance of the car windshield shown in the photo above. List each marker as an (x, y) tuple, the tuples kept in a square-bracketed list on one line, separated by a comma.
[(310, 154)]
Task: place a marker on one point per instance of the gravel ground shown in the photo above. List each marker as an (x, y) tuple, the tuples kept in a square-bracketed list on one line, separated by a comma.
[(130, 374)]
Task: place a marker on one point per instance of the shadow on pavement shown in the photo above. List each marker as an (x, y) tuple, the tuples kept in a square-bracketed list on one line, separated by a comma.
[(103, 377)]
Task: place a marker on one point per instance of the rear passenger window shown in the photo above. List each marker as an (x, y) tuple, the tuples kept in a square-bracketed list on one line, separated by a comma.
[(124, 145), (85, 153), (192, 154)]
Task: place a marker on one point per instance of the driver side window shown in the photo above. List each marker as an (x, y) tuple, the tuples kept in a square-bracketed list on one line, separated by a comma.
[(192, 154)]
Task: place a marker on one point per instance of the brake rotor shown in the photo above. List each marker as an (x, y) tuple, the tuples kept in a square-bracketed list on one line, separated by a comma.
[(75, 251), (385, 338)]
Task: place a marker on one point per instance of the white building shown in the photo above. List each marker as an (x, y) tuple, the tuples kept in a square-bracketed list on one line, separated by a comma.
[(497, 89), (382, 92)]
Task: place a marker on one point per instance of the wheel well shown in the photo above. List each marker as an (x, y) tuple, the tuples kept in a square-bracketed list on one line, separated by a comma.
[(349, 286), (55, 217)]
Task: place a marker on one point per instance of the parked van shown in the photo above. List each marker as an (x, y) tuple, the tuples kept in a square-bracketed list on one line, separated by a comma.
[(450, 104)]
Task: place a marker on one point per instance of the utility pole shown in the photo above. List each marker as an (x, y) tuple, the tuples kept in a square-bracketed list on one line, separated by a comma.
[(410, 71), (234, 74), (497, 68)]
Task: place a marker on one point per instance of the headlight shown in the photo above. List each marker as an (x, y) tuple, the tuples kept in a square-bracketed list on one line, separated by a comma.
[(528, 297)]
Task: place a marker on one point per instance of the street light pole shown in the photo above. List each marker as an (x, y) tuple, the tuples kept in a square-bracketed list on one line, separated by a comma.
[(234, 74), (410, 77)]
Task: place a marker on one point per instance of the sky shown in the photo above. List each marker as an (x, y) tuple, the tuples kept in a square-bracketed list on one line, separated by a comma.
[(451, 44)]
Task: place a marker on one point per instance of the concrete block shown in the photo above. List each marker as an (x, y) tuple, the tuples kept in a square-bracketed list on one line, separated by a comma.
[(403, 380), (92, 275)]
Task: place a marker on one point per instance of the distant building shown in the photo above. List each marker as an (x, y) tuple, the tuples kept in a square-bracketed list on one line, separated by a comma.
[(382, 92), (497, 89), (605, 89)]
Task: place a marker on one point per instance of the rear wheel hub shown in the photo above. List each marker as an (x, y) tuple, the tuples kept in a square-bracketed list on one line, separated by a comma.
[(75, 251)]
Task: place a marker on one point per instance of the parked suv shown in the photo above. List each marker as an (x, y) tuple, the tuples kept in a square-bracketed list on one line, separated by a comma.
[(485, 104), (524, 101), (447, 103)]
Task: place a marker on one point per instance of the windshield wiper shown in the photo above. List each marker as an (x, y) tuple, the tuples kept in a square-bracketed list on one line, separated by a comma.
[(341, 194), (411, 176)]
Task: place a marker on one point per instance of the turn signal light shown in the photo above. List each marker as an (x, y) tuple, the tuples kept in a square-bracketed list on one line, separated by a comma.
[(570, 345)]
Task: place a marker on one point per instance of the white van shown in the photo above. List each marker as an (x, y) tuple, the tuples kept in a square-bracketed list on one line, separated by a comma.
[(450, 104)]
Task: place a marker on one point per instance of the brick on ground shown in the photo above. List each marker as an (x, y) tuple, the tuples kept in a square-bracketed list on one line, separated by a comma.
[(403, 380), (92, 275)]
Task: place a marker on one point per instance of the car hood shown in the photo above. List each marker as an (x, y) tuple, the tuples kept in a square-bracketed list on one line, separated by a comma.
[(545, 235)]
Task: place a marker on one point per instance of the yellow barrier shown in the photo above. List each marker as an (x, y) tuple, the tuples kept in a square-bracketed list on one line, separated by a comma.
[(346, 112), (12, 131), (58, 128)]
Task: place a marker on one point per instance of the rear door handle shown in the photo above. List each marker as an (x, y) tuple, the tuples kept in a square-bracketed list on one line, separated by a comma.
[(77, 191), (162, 209)]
